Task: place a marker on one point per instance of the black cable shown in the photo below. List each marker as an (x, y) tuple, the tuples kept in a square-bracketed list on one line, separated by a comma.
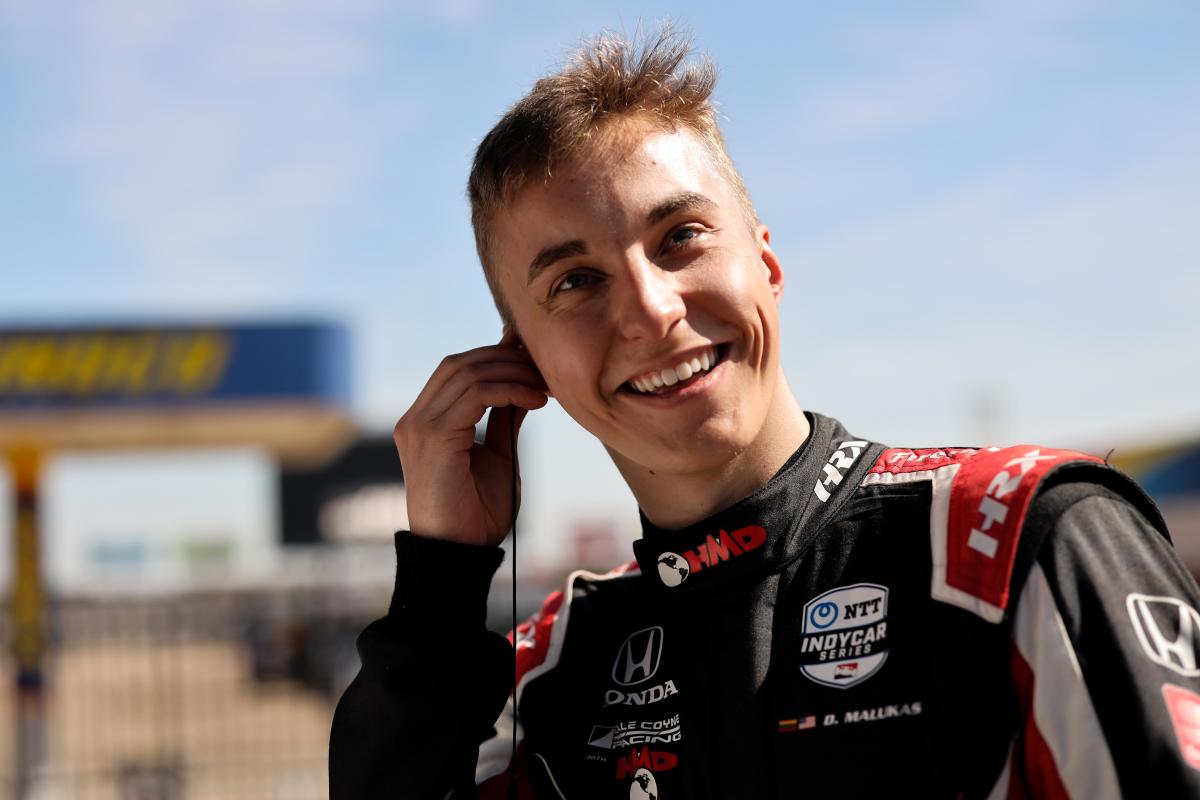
[(512, 764)]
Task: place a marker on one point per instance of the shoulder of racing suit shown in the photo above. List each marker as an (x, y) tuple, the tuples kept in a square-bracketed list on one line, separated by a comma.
[(980, 543)]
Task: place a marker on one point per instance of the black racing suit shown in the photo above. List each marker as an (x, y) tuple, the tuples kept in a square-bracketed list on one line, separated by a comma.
[(944, 623)]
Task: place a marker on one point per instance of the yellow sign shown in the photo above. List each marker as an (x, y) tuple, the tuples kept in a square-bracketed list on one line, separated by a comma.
[(85, 365)]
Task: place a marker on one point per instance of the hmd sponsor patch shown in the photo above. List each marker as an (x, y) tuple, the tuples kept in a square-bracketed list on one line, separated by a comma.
[(844, 635)]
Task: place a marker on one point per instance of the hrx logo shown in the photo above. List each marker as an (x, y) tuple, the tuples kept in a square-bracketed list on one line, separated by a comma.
[(836, 468), (993, 508), (674, 568)]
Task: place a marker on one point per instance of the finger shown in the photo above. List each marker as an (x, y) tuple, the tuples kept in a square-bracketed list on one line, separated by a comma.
[(469, 408), (513, 371), (484, 372), (503, 427), (451, 365)]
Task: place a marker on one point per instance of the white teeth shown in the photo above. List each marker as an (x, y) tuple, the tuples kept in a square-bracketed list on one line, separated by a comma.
[(669, 377)]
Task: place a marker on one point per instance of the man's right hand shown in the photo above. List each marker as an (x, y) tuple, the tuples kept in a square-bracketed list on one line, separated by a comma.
[(459, 489)]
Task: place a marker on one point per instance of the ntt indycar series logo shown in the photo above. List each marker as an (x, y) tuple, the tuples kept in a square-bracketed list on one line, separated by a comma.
[(844, 635)]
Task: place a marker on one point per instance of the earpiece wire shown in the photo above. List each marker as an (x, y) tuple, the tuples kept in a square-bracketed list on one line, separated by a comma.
[(512, 770)]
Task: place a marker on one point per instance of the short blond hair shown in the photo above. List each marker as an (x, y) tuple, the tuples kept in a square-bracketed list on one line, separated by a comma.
[(607, 78)]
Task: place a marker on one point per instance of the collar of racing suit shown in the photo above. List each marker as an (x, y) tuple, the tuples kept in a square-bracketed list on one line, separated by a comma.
[(767, 530)]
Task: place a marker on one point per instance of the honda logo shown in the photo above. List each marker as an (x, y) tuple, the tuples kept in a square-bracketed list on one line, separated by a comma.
[(1166, 629), (637, 660)]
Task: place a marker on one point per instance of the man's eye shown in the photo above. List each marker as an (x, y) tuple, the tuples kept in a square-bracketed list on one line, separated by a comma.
[(681, 237), (573, 280)]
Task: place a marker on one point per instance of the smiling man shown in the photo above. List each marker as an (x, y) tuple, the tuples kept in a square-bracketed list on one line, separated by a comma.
[(809, 613)]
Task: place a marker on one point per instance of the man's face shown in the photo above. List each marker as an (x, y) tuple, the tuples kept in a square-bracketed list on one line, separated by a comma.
[(646, 300)]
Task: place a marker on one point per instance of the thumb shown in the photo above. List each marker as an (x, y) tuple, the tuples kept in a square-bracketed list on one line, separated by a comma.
[(503, 426)]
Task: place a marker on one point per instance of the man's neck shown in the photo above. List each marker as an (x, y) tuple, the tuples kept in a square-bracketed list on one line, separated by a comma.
[(675, 500)]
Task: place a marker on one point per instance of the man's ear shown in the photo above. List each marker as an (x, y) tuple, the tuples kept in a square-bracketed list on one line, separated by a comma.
[(512, 337), (771, 265)]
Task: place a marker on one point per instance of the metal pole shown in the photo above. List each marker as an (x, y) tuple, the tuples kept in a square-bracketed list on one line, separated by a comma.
[(27, 612)]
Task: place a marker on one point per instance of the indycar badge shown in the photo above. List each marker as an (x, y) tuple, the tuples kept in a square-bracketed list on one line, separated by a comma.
[(844, 635)]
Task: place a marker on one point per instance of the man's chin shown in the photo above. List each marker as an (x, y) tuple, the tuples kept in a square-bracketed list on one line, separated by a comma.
[(687, 454)]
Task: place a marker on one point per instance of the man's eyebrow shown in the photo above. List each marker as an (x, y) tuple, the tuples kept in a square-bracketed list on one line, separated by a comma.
[(679, 202), (548, 255), (684, 201)]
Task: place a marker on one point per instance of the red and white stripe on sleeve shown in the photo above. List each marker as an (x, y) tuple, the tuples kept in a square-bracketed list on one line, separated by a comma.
[(1060, 750)]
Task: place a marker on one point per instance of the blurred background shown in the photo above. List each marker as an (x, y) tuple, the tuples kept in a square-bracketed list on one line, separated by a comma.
[(234, 243)]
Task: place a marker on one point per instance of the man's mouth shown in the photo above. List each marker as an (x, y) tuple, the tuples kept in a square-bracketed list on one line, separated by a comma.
[(672, 378)]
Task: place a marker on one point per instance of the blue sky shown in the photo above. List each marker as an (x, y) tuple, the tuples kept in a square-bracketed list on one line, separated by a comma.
[(978, 205)]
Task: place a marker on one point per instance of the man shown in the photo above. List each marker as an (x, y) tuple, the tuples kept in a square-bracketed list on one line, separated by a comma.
[(810, 613)]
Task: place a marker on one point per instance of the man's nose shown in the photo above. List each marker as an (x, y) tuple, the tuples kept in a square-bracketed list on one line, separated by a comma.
[(650, 303)]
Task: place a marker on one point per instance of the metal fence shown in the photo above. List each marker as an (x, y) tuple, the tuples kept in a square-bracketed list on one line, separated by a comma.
[(190, 697)]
